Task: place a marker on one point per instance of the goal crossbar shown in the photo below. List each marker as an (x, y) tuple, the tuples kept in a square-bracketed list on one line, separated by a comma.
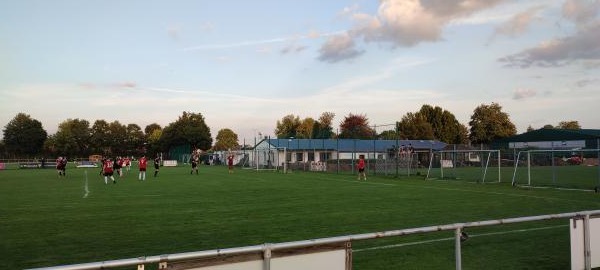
[(487, 161)]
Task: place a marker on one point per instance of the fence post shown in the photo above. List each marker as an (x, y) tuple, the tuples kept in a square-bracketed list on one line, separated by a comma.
[(586, 243), (457, 236), (267, 257), (598, 156)]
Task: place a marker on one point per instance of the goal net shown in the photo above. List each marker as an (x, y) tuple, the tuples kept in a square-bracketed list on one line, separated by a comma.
[(271, 158), (480, 166), (570, 169)]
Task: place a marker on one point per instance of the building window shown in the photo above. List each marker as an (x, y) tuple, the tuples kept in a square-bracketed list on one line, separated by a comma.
[(288, 157), (299, 156), (324, 156), (311, 156)]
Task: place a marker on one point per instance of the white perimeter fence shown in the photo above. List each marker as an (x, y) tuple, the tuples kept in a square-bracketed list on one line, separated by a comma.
[(335, 253)]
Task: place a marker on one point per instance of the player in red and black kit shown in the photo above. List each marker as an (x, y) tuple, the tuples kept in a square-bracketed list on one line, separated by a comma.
[(230, 162), (107, 169), (61, 166), (361, 167), (142, 165)]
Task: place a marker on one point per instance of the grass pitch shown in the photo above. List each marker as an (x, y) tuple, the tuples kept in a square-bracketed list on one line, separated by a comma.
[(48, 221)]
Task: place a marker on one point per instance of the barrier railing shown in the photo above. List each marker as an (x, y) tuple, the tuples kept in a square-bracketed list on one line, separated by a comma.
[(267, 249)]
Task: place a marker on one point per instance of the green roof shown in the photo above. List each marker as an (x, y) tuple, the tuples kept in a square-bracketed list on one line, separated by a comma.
[(543, 135)]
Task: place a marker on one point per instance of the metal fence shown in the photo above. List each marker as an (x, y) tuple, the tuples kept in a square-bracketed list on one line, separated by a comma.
[(265, 250)]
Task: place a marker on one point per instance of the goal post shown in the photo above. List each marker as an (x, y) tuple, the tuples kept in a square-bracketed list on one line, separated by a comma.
[(558, 168), (467, 165), (267, 159)]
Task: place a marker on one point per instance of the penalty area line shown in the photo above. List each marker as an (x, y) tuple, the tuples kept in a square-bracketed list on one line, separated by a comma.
[(452, 238)]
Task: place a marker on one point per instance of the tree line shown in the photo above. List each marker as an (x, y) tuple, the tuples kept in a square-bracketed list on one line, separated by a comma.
[(488, 123), (24, 137)]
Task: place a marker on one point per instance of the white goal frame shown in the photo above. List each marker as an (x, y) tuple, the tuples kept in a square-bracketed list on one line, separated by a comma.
[(468, 152), (268, 159), (529, 152)]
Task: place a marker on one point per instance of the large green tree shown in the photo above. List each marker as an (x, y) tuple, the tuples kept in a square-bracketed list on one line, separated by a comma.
[(568, 125), (287, 127), (226, 139), (489, 123), (356, 126), (388, 135), (117, 140), (433, 123), (149, 129), (100, 136), (444, 125), (135, 139), (73, 138), (414, 126), (24, 136), (322, 128), (190, 129), (305, 129)]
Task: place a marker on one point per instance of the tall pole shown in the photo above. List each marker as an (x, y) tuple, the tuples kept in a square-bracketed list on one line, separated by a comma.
[(374, 150), (337, 141), (553, 168), (397, 147)]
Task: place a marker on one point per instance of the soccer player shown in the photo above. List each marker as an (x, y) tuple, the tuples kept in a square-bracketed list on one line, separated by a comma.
[(142, 165), (63, 166), (127, 162), (58, 166), (230, 163), (194, 161), (107, 168), (361, 167), (156, 165), (117, 166)]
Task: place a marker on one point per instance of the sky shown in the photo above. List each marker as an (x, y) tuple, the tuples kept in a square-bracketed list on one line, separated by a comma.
[(244, 65)]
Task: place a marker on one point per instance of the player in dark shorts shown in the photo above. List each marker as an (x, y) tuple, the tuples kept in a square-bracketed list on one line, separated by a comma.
[(117, 166), (361, 167), (194, 161), (107, 169), (156, 165), (61, 166)]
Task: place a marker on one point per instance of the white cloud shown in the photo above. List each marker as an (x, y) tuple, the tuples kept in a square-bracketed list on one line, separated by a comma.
[(402, 23), (524, 93), (310, 35), (207, 27), (519, 23), (338, 48), (293, 48), (581, 11), (586, 82), (583, 45), (174, 32)]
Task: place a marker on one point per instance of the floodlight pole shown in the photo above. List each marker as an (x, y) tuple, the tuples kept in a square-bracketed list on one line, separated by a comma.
[(397, 147)]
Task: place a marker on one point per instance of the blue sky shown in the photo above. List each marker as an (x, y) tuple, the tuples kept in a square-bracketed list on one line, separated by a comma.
[(246, 64)]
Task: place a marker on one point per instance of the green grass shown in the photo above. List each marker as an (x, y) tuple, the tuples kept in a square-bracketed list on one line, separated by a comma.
[(574, 176), (46, 221)]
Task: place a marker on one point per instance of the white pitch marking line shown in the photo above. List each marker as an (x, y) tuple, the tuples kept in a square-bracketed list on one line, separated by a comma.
[(452, 238), (454, 189), (86, 188)]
